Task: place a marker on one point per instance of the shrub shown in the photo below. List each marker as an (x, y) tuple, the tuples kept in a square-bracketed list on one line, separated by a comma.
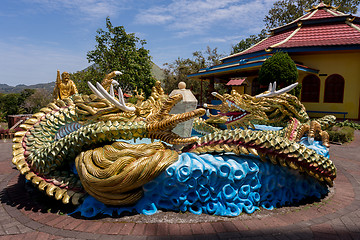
[(341, 134), (349, 124), (279, 68)]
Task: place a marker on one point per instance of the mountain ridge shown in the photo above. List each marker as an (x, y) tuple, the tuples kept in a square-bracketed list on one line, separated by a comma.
[(5, 88), (157, 72)]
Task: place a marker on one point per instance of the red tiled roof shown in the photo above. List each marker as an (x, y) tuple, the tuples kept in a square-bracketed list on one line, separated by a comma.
[(333, 29), (236, 82), (319, 13), (321, 4), (322, 11), (266, 43), (323, 35)]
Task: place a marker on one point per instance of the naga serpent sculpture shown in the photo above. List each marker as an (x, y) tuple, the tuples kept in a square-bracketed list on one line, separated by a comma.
[(75, 148), (271, 107)]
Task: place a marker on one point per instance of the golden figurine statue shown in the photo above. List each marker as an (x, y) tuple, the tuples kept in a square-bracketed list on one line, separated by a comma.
[(157, 92), (107, 81), (64, 87), (139, 97)]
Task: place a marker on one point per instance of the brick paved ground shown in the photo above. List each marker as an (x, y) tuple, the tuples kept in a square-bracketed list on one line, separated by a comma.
[(335, 217)]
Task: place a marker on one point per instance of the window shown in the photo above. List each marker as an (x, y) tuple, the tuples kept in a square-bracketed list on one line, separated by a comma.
[(334, 89), (310, 89)]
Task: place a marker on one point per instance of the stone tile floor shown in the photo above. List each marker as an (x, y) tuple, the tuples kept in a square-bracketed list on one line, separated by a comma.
[(335, 217)]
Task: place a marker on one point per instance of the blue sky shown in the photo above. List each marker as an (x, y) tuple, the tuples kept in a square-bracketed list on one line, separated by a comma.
[(40, 36)]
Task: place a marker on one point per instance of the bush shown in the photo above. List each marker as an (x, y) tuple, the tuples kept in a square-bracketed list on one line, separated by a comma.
[(341, 134), (348, 124), (3, 116), (279, 68), (3, 125)]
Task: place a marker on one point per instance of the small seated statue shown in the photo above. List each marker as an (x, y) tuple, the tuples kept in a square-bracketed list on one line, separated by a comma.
[(157, 92), (64, 86)]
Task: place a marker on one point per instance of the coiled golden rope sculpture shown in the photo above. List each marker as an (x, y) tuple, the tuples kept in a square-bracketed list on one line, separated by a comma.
[(114, 174)]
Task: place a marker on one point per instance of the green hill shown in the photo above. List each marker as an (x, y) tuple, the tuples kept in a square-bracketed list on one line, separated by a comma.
[(157, 72), (4, 88)]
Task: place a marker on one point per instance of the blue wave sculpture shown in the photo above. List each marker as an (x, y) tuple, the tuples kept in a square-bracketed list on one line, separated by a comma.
[(224, 185)]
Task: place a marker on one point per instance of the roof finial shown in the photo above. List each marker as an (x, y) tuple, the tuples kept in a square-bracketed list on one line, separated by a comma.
[(336, 8)]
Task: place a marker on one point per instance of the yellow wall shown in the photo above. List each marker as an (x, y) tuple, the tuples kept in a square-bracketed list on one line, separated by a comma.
[(239, 89), (347, 64), (250, 80)]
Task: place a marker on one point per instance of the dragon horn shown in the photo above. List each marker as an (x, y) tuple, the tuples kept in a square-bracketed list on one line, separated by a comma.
[(121, 96), (219, 96), (276, 93), (95, 91), (117, 104), (112, 90)]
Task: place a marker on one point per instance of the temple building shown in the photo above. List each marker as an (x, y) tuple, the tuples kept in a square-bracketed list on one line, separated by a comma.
[(325, 46)]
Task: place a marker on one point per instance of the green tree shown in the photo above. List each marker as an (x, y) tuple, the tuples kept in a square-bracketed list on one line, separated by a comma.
[(286, 11), (40, 98), (14, 103), (80, 78), (176, 72), (2, 116), (24, 94), (179, 70), (118, 50), (11, 103), (3, 112), (206, 58), (248, 42), (279, 68)]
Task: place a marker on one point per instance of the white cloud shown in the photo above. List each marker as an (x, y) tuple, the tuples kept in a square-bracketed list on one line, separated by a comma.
[(185, 17), (83, 9), (222, 39)]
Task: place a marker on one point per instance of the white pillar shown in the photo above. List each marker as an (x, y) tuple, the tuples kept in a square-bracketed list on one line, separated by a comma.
[(187, 104)]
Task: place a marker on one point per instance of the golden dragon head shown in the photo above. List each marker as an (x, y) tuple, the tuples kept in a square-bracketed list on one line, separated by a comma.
[(270, 107), (155, 113)]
